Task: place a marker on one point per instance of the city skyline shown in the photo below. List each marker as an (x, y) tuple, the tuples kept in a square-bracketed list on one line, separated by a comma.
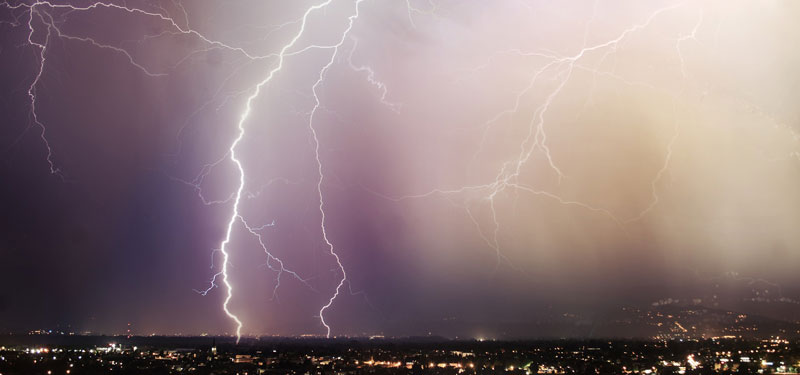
[(359, 167)]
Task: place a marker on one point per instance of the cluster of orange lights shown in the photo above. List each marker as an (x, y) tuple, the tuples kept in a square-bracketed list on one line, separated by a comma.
[(409, 365)]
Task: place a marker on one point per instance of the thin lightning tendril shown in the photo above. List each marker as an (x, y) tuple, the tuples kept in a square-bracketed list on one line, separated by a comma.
[(32, 89), (395, 107), (317, 104), (507, 178)]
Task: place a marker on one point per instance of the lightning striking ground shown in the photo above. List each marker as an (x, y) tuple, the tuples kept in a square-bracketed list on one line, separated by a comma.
[(317, 103), (34, 14), (547, 79), (235, 214)]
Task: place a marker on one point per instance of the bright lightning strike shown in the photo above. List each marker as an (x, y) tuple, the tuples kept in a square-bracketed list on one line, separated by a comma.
[(241, 131), (39, 16), (530, 119)]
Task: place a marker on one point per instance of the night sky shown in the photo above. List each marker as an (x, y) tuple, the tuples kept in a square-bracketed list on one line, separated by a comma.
[(482, 164)]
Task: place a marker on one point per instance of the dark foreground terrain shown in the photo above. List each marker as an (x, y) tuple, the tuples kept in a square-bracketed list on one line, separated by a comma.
[(49, 354)]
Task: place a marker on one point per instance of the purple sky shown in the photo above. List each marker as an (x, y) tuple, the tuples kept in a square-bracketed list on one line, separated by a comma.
[(485, 164)]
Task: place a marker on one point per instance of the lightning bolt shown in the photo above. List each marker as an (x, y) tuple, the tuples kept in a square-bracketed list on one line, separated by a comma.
[(43, 29), (676, 132), (32, 88), (411, 9), (232, 151), (281, 269), (37, 12), (370, 75), (536, 139), (321, 179)]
